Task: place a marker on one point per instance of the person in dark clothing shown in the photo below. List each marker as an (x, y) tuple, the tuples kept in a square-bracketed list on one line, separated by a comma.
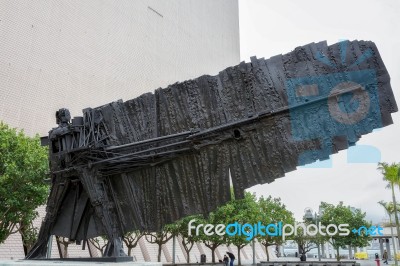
[(226, 260), (385, 257), (232, 257)]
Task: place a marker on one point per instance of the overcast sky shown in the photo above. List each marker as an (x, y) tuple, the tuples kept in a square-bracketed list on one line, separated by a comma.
[(268, 28)]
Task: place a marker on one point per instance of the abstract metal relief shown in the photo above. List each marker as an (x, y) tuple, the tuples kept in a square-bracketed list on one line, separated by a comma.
[(149, 161)]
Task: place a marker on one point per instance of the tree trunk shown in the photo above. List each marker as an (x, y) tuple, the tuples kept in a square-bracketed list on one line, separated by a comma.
[(266, 251), (130, 251), (396, 217), (25, 244), (239, 259), (213, 253), (187, 247), (337, 254), (159, 253), (65, 255), (299, 249), (187, 255), (25, 249)]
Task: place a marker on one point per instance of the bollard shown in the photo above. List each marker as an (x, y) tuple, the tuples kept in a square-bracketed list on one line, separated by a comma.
[(203, 258), (378, 262)]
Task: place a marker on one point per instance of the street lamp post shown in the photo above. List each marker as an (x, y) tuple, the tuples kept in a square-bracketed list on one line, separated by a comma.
[(318, 246), (393, 241), (309, 215)]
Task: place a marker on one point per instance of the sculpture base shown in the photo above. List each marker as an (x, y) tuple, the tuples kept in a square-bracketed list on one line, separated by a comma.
[(76, 262), (95, 259)]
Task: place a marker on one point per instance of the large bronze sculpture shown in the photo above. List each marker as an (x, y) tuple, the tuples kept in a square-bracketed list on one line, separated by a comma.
[(151, 160)]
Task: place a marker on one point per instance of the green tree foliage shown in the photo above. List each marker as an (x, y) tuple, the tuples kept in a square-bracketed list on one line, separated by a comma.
[(242, 211), (308, 242), (272, 210), (391, 174), (63, 244), (23, 168), (161, 237), (131, 239), (305, 243), (187, 240), (341, 214), (247, 210), (100, 243), (213, 241), (389, 208)]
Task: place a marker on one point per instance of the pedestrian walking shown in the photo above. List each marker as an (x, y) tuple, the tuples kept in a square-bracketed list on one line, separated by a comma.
[(226, 260), (385, 257), (231, 257)]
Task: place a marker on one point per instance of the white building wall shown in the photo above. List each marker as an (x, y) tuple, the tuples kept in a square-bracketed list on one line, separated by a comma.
[(79, 54)]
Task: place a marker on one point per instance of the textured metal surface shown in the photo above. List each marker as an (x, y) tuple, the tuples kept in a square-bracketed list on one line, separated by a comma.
[(151, 160)]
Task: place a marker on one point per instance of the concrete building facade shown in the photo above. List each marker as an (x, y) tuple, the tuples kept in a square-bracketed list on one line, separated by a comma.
[(79, 54)]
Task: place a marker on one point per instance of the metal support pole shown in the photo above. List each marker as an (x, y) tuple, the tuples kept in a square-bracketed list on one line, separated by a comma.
[(393, 241), (318, 245), (49, 246), (173, 249), (389, 252), (254, 251), (381, 247), (350, 253), (323, 252), (394, 251), (319, 252)]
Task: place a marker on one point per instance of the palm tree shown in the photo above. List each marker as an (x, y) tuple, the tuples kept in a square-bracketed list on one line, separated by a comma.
[(389, 208), (391, 175)]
